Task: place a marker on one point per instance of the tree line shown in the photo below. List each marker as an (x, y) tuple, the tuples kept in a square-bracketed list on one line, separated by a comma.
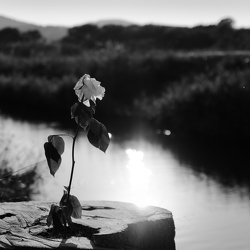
[(222, 36)]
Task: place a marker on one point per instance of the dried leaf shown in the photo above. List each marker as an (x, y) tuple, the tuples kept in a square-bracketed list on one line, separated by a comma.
[(56, 218), (77, 208), (49, 218), (74, 206)]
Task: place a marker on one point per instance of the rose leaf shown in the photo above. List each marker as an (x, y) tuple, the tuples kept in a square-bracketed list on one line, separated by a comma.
[(83, 121), (82, 114), (74, 110), (57, 142), (94, 132), (98, 135), (95, 126), (93, 139), (104, 140), (89, 111), (53, 157)]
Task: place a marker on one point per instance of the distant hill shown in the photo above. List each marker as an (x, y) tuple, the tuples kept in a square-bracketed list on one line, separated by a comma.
[(119, 22), (50, 33)]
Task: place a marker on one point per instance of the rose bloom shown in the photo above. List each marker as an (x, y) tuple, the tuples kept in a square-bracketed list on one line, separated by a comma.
[(88, 88)]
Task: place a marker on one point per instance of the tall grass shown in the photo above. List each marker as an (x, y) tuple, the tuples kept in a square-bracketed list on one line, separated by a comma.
[(198, 93), (205, 107)]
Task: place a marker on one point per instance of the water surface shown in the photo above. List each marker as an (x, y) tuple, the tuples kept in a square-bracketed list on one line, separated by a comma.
[(207, 214)]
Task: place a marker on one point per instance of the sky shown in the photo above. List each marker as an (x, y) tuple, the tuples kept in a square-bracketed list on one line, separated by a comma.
[(71, 13)]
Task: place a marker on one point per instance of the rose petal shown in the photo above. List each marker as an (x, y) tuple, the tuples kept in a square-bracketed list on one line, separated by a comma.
[(100, 93), (89, 88), (86, 103), (79, 84), (95, 83), (89, 83), (87, 92)]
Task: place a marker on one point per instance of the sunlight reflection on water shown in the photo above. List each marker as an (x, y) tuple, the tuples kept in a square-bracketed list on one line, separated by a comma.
[(139, 177)]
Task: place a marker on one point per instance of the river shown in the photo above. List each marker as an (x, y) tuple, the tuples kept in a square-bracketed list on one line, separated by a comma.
[(208, 214)]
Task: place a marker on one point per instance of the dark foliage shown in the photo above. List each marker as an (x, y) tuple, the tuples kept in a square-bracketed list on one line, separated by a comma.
[(221, 36), (164, 76), (17, 187), (208, 93)]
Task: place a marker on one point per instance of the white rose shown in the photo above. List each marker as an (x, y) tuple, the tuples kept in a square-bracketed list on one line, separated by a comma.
[(88, 88)]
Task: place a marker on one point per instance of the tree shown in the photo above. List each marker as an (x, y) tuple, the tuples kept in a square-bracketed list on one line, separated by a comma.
[(31, 36), (225, 34), (9, 35), (226, 23)]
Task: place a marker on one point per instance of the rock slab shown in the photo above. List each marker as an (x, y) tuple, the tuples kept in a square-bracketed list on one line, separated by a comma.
[(103, 225)]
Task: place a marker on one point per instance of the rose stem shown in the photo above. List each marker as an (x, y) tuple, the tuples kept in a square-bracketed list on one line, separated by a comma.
[(73, 160), (73, 153)]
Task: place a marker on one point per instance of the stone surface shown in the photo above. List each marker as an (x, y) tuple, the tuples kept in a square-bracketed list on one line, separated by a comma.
[(103, 225)]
